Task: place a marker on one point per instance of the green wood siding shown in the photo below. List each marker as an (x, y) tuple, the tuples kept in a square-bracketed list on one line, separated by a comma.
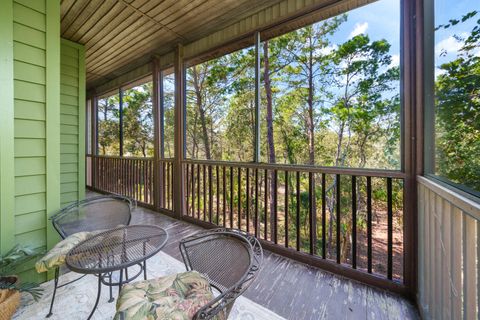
[(7, 178), (30, 105), (42, 95), (72, 122)]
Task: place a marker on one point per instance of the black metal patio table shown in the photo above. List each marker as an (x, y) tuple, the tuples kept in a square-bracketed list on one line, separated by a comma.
[(116, 250)]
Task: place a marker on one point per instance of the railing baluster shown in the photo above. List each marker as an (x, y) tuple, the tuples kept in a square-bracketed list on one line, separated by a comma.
[(239, 186), (166, 180), (231, 197), (324, 217), (204, 193), (217, 209), (135, 179), (266, 205), (145, 194), (127, 174), (339, 221), (192, 174), (132, 179), (198, 191), (275, 204), (124, 165), (369, 224), (248, 198), (137, 174), (297, 222), (164, 184), (147, 182), (354, 222), (138, 186), (167, 185), (122, 188), (286, 209), (138, 166), (224, 198), (390, 229), (187, 182), (210, 196), (150, 182), (256, 203), (312, 214)]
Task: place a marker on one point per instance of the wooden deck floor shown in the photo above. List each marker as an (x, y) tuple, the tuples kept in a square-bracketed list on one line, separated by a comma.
[(294, 290)]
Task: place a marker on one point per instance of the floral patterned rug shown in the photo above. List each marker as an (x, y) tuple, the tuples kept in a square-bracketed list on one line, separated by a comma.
[(75, 301)]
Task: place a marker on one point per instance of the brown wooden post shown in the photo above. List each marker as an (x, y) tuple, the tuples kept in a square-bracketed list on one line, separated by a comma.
[(94, 140), (179, 142), (158, 200)]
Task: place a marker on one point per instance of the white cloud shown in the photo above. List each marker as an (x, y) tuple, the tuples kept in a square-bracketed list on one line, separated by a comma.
[(358, 29), (448, 46), (439, 72), (395, 60), (327, 50)]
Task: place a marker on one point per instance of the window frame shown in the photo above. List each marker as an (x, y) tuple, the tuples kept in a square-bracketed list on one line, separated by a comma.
[(429, 150)]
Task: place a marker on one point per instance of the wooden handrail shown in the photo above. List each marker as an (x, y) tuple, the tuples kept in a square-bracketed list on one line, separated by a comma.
[(304, 168), (129, 158)]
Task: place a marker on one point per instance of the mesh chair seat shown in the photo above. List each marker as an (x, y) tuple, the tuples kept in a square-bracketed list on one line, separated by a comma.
[(230, 259)]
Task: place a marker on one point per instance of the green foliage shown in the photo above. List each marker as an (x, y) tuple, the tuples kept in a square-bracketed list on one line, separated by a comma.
[(457, 108), (138, 121), (109, 125), (9, 264)]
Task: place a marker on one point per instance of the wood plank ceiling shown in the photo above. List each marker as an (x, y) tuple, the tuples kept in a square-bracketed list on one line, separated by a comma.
[(121, 34)]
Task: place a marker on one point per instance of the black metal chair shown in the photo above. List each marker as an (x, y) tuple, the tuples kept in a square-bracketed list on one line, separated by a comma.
[(229, 258), (91, 214)]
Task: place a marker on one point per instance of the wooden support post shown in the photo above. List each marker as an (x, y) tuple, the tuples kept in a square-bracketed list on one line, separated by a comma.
[(120, 109), (158, 200), (411, 139), (179, 142), (257, 98)]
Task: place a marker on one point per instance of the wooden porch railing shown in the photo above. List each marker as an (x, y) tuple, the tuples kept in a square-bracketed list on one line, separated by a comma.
[(449, 253), (134, 178), (348, 221), (345, 220)]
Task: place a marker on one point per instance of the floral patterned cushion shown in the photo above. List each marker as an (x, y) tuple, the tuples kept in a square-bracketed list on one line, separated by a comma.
[(56, 256), (174, 297)]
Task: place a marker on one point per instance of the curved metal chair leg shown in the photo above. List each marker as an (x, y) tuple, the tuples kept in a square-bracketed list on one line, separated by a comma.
[(57, 271)]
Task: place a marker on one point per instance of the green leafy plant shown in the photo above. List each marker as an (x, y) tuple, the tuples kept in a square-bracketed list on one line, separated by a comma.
[(9, 264)]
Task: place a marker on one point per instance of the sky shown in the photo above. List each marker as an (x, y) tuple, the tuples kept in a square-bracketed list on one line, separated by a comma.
[(446, 44), (379, 20)]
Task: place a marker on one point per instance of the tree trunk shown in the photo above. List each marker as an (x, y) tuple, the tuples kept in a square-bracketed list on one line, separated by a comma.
[(311, 138), (144, 149), (201, 111), (270, 141)]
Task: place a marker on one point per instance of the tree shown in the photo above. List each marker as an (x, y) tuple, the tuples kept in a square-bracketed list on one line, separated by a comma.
[(108, 125), (457, 108), (366, 104), (138, 121)]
